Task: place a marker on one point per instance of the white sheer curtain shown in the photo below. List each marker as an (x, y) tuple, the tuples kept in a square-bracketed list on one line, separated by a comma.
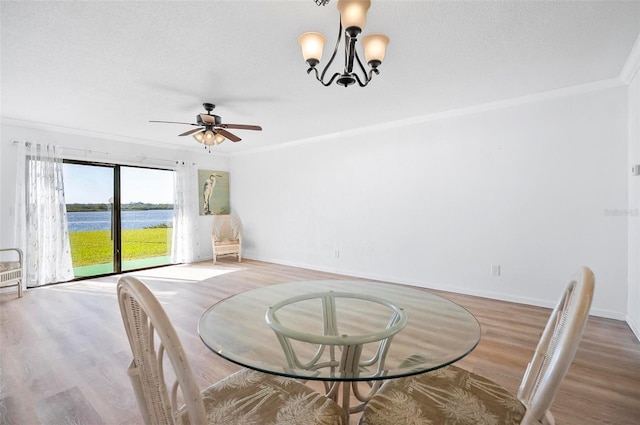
[(185, 213), (41, 215)]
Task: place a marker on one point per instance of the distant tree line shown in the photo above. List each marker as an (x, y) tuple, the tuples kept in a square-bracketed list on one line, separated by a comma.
[(132, 206)]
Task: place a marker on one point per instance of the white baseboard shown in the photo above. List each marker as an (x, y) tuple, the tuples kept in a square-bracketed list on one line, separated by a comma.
[(635, 328), (609, 314)]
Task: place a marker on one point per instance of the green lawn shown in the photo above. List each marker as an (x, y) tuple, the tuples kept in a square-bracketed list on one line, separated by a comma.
[(96, 247)]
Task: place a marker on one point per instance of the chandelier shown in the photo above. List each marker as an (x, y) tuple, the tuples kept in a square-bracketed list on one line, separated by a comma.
[(353, 14)]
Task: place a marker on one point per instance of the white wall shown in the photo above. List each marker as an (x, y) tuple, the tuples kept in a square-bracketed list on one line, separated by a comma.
[(103, 150), (533, 187), (633, 302), (528, 187)]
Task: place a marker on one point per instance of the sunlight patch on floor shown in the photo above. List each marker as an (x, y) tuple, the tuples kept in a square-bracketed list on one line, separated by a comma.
[(189, 272), (100, 286), (180, 273)]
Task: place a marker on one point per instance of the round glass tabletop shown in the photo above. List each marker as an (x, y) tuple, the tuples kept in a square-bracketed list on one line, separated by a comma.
[(338, 330)]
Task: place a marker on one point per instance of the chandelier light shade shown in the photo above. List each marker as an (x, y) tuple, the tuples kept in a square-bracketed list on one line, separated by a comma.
[(353, 15), (312, 44), (375, 46)]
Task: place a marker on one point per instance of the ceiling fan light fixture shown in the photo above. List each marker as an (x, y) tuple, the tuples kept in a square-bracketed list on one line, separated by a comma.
[(199, 137), (211, 130), (219, 138)]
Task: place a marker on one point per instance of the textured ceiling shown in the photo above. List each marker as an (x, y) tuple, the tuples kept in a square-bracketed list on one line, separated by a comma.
[(110, 67)]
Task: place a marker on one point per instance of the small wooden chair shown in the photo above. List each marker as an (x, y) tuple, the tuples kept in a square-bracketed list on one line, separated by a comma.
[(163, 380), (453, 395), (226, 236), (11, 269)]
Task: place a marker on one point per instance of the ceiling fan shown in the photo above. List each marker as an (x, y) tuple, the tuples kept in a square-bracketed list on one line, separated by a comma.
[(211, 130)]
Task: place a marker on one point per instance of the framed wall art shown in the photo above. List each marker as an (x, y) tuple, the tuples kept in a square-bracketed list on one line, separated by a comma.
[(213, 191)]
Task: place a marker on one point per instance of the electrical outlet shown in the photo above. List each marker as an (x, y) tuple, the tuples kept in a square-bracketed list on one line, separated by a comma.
[(495, 270)]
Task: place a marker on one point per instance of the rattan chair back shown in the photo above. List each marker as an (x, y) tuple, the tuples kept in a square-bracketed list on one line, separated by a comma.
[(160, 387), (557, 348)]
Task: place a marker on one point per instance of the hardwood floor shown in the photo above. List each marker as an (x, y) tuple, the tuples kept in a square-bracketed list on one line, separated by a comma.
[(64, 351)]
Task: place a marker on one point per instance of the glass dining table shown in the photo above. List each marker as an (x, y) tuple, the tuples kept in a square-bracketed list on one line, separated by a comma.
[(350, 334)]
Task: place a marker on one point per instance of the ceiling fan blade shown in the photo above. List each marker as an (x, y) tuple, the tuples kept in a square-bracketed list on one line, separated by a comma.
[(186, 133), (174, 122), (228, 135), (241, 126), (209, 119)]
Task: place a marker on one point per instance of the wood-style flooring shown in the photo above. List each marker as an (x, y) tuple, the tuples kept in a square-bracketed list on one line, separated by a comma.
[(64, 352)]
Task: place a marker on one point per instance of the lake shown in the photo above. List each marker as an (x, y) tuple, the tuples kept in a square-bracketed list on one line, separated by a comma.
[(101, 220)]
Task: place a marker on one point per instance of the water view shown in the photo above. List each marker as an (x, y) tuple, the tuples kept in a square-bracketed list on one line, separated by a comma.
[(144, 229), (101, 220)]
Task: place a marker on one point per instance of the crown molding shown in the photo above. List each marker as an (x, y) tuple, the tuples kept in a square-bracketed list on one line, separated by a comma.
[(629, 70), (631, 66), (452, 113), (105, 136)]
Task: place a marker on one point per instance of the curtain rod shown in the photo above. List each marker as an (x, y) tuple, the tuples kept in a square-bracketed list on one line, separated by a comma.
[(84, 150), (15, 142), (141, 158)]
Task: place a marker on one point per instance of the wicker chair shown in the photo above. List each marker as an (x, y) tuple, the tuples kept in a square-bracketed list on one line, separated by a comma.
[(455, 396), (244, 397), (226, 236), (11, 269)]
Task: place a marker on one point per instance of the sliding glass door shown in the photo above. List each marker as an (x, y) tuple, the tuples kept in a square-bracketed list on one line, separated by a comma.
[(89, 194), (119, 217), (146, 216)]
